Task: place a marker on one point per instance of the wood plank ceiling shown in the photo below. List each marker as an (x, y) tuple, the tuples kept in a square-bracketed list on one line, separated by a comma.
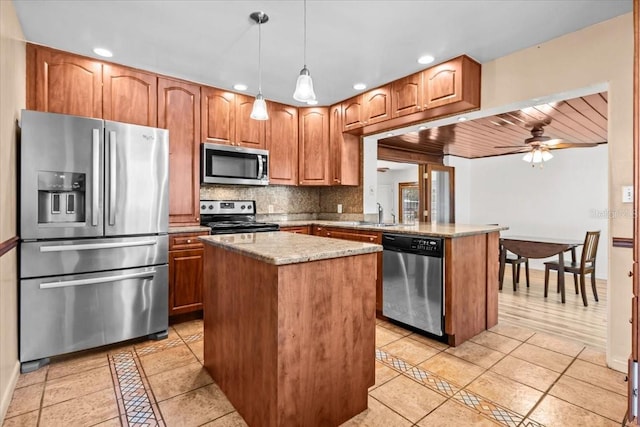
[(578, 120)]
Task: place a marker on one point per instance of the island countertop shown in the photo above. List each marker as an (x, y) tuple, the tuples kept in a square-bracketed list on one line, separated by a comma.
[(280, 248), (423, 228)]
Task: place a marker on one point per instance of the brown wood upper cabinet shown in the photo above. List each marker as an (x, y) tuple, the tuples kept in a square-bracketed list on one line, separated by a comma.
[(313, 146), (60, 82), (406, 95), (352, 113), (179, 112), (282, 143), (218, 115), (344, 150), (225, 119), (454, 81), (376, 105), (129, 95)]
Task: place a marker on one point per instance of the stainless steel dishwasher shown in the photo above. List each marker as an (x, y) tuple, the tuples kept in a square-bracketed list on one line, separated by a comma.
[(412, 281)]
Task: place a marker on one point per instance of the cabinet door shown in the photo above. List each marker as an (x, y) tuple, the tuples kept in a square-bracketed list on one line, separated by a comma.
[(249, 132), (64, 83), (282, 143), (218, 116), (179, 111), (443, 84), (129, 96), (345, 151), (376, 105), (185, 281), (352, 113), (406, 95), (313, 146)]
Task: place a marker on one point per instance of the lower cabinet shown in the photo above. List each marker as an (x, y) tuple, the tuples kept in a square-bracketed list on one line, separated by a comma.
[(358, 236), (186, 256)]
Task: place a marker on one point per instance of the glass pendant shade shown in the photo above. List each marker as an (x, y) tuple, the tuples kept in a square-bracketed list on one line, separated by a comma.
[(259, 111), (537, 156), (528, 157), (546, 156), (304, 87)]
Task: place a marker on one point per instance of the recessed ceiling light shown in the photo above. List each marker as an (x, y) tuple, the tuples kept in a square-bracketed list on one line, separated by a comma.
[(312, 102), (359, 86), (240, 86), (462, 119), (103, 52), (426, 59)]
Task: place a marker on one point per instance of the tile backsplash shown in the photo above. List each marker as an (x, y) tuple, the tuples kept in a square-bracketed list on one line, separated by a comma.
[(292, 201)]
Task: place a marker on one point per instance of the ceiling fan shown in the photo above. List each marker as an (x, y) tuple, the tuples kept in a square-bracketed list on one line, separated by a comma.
[(537, 147)]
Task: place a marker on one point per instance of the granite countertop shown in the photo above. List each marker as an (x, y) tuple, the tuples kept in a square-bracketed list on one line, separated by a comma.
[(423, 228), (282, 248), (189, 229)]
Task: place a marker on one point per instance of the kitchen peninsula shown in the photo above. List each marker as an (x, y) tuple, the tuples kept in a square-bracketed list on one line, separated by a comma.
[(289, 325)]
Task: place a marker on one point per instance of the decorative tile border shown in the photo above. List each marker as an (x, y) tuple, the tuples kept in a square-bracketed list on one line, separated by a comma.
[(138, 407), (193, 338), (438, 384)]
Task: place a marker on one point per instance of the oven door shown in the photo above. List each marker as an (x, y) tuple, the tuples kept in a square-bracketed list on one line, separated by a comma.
[(224, 164)]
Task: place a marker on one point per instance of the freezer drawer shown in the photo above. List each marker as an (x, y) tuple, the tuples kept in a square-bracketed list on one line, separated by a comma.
[(69, 313), (59, 257)]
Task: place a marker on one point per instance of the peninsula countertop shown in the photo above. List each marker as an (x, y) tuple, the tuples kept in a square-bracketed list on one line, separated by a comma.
[(280, 248), (423, 228)]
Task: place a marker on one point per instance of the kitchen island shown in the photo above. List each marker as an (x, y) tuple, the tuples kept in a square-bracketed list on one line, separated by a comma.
[(289, 326)]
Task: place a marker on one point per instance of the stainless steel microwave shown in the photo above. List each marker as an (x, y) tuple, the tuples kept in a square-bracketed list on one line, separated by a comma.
[(227, 164)]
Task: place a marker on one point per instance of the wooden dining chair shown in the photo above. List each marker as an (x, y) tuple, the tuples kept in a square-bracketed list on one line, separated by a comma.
[(586, 266), (515, 262)]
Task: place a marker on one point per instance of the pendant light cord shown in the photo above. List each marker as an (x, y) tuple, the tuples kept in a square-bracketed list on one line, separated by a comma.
[(260, 52), (305, 34)]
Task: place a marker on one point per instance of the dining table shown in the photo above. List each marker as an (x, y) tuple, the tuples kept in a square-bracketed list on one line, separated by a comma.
[(539, 247)]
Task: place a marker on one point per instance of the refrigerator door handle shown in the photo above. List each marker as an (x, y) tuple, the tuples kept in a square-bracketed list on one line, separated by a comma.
[(260, 166), (95, 171), (112, 177), (91, 246), (95, 280)]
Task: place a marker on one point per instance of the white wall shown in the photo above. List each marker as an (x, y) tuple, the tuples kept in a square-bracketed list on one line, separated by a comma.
[(563, 200), (462, 187), (12, 99), (392, 178)]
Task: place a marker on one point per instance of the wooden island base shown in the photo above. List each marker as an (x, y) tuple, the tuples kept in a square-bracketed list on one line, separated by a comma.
[(290, 344)]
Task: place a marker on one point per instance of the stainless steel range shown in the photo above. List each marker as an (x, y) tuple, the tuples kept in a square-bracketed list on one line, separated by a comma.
[(232, 216)]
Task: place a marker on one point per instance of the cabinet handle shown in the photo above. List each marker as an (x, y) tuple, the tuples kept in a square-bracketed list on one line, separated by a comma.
[(371, 239), (328, 234), (188, 240)]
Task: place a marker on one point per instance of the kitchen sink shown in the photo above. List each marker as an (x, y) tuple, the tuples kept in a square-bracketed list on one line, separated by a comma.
[(377, 224)]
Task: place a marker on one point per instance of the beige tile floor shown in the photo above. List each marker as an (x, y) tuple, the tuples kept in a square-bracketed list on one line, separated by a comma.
[(508, 376)]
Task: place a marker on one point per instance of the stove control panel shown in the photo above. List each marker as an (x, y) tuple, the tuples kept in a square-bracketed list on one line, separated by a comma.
[(227, 207)]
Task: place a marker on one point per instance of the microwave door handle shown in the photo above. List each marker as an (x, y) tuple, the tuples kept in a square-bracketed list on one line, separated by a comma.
[(260, 166), (95, 172), (112, 178)]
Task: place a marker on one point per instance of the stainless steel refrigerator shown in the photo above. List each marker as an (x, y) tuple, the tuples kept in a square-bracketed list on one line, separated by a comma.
[(93, 229)]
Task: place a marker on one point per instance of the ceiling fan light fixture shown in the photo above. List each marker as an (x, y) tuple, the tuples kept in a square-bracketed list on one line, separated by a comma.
[(546, 156)]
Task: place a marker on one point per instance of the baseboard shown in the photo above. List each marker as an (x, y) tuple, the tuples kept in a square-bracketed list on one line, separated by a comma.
[(7, 393), (619, 365)]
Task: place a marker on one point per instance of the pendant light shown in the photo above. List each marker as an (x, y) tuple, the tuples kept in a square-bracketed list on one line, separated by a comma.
[(537, 155), (259, 111), (304, 86)]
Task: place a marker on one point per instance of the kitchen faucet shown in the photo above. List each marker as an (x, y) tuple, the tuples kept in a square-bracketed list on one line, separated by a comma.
[(380, 213)]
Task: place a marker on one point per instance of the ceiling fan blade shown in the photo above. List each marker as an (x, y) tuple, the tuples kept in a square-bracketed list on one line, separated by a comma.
[(562, 145), (522, 150), (510, 146)]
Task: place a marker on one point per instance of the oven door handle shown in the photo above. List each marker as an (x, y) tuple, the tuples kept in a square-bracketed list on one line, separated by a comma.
[(260, 166), (96, 280)]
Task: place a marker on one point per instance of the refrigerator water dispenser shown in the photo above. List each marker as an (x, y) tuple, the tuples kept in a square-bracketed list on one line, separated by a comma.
[(61, 197)]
